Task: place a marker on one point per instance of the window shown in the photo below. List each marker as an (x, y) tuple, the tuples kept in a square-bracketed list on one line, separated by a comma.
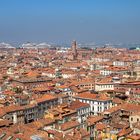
[(131, 119), (137, 119)]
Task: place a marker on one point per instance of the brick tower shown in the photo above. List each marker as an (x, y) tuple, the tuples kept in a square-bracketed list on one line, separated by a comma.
[(74, 50)]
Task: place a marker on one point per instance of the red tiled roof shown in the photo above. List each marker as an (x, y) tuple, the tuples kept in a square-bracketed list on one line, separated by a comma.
[(69, 125), (134, 137), (91, 96), (78, 104), (94, 119), (45, 97)]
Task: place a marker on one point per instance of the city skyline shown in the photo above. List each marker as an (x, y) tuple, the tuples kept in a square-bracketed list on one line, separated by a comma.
[(69, 70), (62, 21)]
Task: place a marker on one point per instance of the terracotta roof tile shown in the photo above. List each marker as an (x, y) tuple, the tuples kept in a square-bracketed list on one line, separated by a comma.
[(92, 96)]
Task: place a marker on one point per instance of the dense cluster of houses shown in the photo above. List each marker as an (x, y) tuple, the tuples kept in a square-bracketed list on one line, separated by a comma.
[(79, 93)]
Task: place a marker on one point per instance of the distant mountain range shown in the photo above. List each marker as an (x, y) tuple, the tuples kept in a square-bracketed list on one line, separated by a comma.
[(81, 45), (35, 45), (5, 45)]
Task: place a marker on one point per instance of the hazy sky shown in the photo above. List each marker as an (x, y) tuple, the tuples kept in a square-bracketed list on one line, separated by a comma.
[(61, 21)]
